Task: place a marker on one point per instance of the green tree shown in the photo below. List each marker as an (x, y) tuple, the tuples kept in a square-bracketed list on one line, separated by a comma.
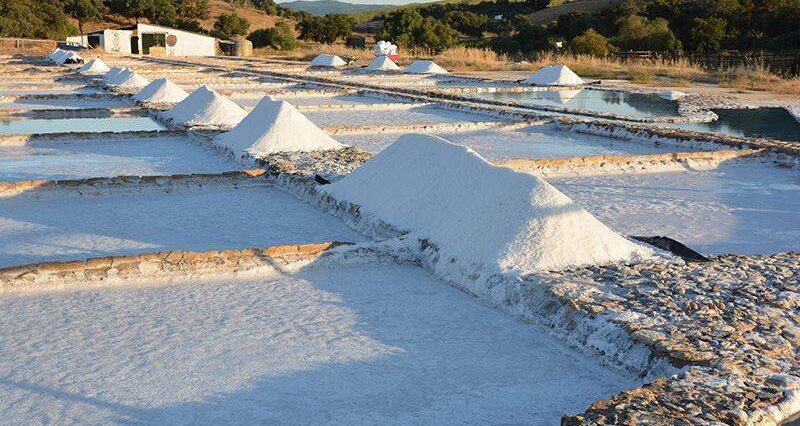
[(707, 35), (466, 22), (408, 28), (191, 10), (231, 25), (155, 11), (279, 37), (640, 33), (591, 43), (85, 11), (326, 29), (34, 19)]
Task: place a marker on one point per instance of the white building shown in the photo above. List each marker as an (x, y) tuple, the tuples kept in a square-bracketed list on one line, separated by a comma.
[(139, 38)]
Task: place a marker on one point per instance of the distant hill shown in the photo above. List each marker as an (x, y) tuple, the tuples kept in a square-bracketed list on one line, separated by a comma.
[(324, 7)]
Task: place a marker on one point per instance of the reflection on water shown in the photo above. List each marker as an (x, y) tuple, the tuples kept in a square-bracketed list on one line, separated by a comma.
[(770, 123), (63, 125), (605, 101)]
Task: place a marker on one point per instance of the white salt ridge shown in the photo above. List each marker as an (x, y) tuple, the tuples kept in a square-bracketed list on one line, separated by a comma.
[(131, 81), (554, 75), (55, 53), (325, 60), (205, 107), (382, 63), (671, 95), (794, 111), (485, 216), (275, 126), (94, 67), (69, 57), (424, 67), (161, 91)]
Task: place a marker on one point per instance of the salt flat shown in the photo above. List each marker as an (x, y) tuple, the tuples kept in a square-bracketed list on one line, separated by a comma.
[(369, 345), (533, 142), (741, 207), (76, 159), (424, 114), (58, 225), (82, 124)]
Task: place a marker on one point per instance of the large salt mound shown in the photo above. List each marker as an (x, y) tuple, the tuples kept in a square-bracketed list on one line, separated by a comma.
[(161, 91), (424, 67), (69, 58), (53, 54), (119, 78), (324, 60), (555, 75), (132, 81), (94, 67), (205, 107), (382, 63), (112, 74), (481, 214), (276, 126)]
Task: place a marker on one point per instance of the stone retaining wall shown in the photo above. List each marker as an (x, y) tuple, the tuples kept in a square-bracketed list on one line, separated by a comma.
[(78, 137), (165, 264), (80, 185), (26, 46), (604, 164)]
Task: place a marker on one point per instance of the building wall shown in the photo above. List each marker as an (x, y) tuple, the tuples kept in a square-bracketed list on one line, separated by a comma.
[(187, 44), (118, 41), (23, 46)]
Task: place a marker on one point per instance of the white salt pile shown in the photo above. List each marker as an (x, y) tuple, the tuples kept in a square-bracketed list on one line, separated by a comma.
[(671, 95), (69, 57), (58, 55), (424, 67), (207, 108), (554, 75), (161, 91), (275, 126), (384, 47), (94, 67), (330, 61), (483, 215), (118, 78), (53, 54), (131, 81), (382, 63), (112, 74)]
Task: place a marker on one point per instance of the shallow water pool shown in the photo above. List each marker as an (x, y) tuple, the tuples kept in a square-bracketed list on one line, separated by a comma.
[(64, 125), (769, 123), (604, 101)]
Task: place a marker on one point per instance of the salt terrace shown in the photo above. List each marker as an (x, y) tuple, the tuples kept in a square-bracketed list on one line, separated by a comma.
[(156, 272)]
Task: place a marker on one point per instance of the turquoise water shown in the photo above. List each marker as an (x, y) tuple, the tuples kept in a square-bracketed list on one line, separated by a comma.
[(64, 125), (770, 123), (604, 101)]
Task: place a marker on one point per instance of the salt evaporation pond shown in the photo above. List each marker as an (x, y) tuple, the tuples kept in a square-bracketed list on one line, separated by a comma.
[(57, 103), (416, 115), (741, 207), (59, 91), (769, 123), (82, 124), (77, 159), (65, 225), (603, 101), (530, 142), (372, 344), (318, 100)]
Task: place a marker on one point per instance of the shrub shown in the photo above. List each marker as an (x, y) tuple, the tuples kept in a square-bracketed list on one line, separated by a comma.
[(280, 37), (231, 25), (591, 43)]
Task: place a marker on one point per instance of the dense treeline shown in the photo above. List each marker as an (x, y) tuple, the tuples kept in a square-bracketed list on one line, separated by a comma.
[(671, 26)]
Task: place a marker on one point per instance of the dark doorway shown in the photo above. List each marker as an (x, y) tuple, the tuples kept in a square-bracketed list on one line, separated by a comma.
[(135, 45), (150, 40)]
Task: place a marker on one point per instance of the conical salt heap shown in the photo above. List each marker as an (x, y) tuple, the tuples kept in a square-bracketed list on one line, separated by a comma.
[(161, 91), (489, 218), (275, 126), (131, 81), (382, 63), (329, 61), (554, 75), (207, 108), (424, 67), (94, 67), (112, 74)]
